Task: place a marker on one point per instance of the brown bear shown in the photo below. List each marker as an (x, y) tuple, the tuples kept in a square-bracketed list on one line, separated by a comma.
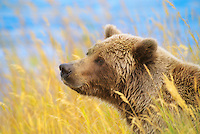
[(132, 66)]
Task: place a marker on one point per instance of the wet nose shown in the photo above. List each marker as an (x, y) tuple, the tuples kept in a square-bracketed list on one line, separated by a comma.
[(66, 69)]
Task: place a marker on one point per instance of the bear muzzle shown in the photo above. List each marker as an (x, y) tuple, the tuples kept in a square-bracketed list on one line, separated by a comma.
[(69, 75), (66, 70)]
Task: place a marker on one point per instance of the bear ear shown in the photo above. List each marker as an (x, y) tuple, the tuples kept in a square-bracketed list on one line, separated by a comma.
[(111, 30), (145, 50)]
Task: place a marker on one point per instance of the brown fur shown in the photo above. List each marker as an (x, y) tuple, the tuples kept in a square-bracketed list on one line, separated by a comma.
[(118, 64)]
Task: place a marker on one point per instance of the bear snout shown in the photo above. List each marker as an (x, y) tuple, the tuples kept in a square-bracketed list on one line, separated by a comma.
[(66, 70), (69, 76)]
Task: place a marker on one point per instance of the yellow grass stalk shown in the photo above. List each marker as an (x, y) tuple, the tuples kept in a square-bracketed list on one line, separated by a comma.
[(174, 92), (170, 4), (135, 119)]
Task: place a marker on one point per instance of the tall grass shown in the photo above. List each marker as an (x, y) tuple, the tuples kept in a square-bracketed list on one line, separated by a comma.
[(36, 101)]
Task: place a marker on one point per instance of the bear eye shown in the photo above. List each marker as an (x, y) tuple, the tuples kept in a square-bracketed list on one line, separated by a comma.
[(99, 61)]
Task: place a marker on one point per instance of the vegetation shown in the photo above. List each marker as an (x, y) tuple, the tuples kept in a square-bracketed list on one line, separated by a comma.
[(34, 100)]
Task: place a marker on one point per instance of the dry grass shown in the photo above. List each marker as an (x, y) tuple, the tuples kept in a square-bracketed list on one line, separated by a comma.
[(36, 101)]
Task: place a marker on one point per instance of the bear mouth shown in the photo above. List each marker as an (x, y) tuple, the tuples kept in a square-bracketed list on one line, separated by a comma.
[(69, 80), (78, 89)]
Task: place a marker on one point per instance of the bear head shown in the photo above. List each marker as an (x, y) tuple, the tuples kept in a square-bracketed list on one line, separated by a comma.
[(108, 64)]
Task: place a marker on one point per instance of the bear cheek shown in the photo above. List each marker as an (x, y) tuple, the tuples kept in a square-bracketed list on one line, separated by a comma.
[(105, 76), (88, 74)]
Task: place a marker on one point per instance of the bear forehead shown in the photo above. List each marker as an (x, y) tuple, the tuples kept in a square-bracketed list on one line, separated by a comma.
[(116, 42)]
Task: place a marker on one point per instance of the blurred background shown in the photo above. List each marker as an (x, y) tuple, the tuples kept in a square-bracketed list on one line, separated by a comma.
[(78, 19), (38, 35)]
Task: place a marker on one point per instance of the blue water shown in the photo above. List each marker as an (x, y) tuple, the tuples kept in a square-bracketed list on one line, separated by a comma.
[(30, 19), (20, 17)]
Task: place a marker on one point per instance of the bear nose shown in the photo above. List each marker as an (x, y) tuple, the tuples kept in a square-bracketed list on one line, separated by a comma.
[(66, 69)]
